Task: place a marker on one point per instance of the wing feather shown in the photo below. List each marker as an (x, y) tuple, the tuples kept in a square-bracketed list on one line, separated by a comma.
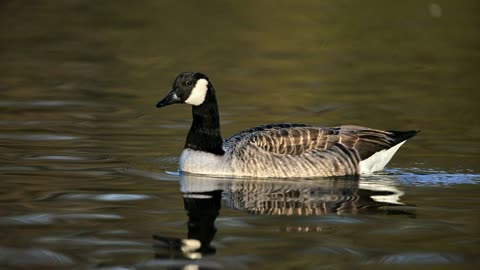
[(298, 139)]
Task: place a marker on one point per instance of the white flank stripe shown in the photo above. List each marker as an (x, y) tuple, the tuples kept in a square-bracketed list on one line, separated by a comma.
[(377, 161), (197, 96)]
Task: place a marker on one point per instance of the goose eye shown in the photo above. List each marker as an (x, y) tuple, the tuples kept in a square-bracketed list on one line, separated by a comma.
[(189, 83)]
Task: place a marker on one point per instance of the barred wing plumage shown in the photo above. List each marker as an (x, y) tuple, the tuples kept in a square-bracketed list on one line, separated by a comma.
[(287, 148)]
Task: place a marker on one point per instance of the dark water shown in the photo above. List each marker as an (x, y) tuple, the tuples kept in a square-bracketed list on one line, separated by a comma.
[(84, 153)]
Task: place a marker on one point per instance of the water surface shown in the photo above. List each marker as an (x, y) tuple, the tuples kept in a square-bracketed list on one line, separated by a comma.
[(84, 153)]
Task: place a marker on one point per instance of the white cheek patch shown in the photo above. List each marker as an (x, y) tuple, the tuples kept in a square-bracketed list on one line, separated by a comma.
[(197, 96)]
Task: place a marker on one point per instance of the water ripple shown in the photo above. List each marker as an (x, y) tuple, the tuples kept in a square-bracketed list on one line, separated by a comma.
[(86, 241), (440, 179), (47, 218), (180, 264), (16, 257), (38, 218), (44, 103), (157, 176), (225, 262), (113, 197), (56, 157), (121, 197), (114, 268), (421, 258), (38, 137), (106, 252), (18, 168)]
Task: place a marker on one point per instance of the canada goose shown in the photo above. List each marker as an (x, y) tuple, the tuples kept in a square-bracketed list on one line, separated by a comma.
[(275, 150)]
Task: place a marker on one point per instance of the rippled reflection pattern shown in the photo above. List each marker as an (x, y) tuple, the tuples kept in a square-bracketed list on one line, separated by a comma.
[(300, 197), (202, 198)]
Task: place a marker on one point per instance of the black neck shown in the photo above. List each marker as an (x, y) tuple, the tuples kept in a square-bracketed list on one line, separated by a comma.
[(204, 134)]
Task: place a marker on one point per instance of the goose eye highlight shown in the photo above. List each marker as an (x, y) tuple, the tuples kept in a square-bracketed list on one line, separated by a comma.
[(189, 83)]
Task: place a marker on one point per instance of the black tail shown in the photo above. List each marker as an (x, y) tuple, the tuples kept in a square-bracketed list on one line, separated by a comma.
[(400, 136)]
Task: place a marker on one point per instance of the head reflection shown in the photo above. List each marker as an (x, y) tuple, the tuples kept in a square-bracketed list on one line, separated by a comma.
[(202, 210)]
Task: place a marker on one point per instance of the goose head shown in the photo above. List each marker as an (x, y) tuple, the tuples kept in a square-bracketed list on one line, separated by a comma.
[(189, 88)]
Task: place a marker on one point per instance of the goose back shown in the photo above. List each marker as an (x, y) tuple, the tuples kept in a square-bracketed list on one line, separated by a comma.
[(289, 150)]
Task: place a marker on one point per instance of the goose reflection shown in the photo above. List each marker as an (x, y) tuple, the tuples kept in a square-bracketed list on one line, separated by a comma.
[(345, 195), (203, 196)]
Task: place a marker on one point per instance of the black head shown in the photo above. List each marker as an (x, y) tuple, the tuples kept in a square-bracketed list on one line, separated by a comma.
[(189, 87)]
